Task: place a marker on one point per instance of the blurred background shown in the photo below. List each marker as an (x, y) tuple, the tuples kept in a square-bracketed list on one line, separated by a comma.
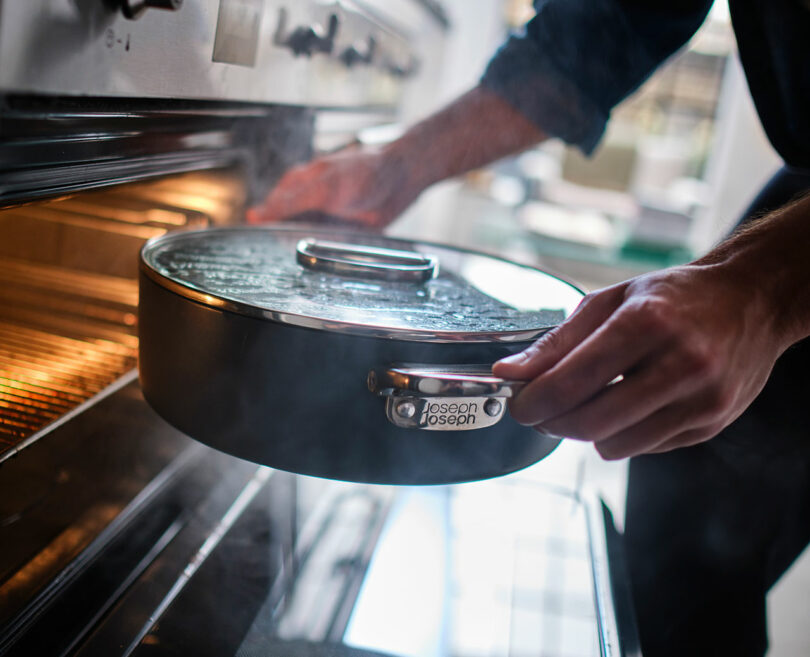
[(681, 160)]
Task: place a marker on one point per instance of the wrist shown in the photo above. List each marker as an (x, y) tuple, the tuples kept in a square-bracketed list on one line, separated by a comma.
[(405, 160), (769, 259)]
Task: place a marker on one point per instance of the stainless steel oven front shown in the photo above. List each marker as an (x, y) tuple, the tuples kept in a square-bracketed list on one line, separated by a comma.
[(121, 120)]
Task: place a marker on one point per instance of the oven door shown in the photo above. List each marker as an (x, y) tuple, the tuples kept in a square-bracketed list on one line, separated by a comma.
[(123, 537)]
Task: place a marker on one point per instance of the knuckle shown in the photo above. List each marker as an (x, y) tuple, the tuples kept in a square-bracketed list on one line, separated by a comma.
[(611, 451), (715, 405), (698, 360), (718, 400), (588, 299), (549, 341), (532, 350), (687, 439), (707, 433), (653, 316)]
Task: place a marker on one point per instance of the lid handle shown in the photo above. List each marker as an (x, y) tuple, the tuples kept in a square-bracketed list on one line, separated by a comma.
[(365, 261)]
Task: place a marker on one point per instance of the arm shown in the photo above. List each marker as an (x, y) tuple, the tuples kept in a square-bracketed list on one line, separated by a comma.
[(372, 186), (694, 344), (573, 62), (476, 129)]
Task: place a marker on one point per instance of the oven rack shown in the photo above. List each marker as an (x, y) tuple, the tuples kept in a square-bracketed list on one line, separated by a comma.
[(69, 291)]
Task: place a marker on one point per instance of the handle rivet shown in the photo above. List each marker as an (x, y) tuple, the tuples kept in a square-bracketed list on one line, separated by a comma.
[(492, 407), (406, 409)]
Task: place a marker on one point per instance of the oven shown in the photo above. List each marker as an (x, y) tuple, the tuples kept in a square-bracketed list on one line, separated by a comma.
[(122, 120)]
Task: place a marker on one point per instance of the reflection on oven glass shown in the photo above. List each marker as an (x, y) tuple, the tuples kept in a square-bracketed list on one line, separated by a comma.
[(68, 289), (306, 567), (493, 569)]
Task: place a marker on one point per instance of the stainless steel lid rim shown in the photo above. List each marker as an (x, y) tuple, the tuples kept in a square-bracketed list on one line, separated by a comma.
[(366, 329), (345, 328)]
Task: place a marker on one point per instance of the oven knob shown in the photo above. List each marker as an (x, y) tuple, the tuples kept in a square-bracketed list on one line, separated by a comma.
[(405, 70), (134, 8), (359, 53), (306, 40)]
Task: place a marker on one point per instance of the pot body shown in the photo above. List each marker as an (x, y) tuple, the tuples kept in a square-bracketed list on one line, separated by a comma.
[(296, 398)]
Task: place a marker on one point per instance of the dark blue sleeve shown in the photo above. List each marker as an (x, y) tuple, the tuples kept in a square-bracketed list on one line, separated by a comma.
[(576, 59)]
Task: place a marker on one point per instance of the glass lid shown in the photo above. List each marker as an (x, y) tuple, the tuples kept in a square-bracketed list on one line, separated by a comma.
[(360, 283)]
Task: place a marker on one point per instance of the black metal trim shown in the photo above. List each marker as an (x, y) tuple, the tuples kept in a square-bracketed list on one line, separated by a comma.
[(137, 544), (53, 145), (620, 587)]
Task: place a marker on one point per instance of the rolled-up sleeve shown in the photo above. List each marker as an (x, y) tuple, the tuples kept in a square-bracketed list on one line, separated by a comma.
[(576, 59)]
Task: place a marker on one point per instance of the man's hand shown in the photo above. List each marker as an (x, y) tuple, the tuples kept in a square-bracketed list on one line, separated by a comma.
[(366, 186), (693, 346)]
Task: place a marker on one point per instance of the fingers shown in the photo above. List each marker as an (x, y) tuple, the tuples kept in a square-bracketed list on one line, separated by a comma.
[(297, 192), (551, 347), (607, 353), (689, 421), (621, 405), (634, 445), (646, 435), (685, 439), (690, 357)]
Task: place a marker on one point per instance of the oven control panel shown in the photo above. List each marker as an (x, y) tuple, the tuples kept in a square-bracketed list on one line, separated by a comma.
[(321, 53)]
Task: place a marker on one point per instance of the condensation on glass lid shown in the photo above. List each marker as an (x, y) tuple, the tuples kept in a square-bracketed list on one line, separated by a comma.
[(257, 271)]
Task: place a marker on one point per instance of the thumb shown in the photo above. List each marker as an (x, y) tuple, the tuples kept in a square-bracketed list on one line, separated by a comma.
[(553, 346)]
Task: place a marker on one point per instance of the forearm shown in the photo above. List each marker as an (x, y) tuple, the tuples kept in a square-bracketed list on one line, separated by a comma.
[(771, 256), (474, 130)]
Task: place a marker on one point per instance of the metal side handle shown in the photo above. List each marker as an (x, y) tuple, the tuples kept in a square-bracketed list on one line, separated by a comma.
[(366, 261), (442, 397)]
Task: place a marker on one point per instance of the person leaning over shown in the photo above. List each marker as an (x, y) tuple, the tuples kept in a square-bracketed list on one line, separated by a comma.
[(715, 362)]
